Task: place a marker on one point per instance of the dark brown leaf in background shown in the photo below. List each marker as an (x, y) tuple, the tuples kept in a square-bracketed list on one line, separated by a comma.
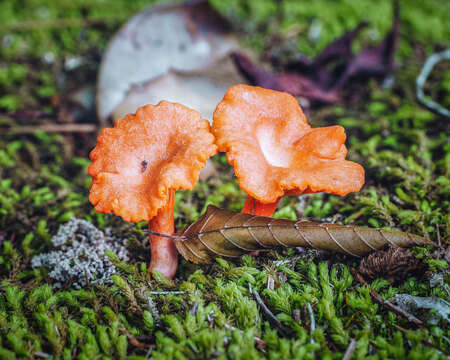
[(224, 233), (293, 83), (329, 77), (377, 61), (338, 50)]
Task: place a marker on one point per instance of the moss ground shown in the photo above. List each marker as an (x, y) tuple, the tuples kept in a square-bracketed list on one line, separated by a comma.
[(211, 311)]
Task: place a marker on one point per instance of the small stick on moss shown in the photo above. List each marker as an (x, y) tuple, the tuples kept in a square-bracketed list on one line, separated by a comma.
[(133, 340), (270, 282), (296, 315), (350, 350), (312, 321), (385, 303), (438, 235), (166, 292), (42, 355), (136, 343), (194, 308), (272, 318)]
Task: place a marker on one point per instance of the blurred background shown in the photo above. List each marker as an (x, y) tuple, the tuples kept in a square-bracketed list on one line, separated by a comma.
[(51, 51)]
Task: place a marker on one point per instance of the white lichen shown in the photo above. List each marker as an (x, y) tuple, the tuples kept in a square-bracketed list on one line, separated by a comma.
[(80, 255)]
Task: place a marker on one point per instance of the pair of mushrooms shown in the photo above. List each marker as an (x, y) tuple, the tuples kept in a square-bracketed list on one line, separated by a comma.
[(139, 164)]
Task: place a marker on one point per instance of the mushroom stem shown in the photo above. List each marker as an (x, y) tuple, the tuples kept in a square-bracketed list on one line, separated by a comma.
[(164, 253), (255, 207)]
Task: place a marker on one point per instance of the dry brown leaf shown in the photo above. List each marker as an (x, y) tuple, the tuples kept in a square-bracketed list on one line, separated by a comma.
[(331, 76), (224, 233)]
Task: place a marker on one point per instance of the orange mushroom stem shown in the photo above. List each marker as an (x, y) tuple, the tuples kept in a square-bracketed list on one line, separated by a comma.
[(255, 207), (164, 253)]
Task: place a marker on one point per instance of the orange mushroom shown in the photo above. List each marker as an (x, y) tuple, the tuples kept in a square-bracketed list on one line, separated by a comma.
[(139, 164), (275, 152)]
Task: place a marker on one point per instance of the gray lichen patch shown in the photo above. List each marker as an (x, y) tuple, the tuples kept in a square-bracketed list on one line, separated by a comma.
[(419, 306), (80, 255)]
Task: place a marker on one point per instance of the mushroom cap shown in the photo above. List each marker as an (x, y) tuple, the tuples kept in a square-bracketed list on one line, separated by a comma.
[(147, 154), (275, 152)]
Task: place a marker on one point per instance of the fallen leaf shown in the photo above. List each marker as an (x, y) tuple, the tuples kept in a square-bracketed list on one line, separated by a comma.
[(224, 233), (330, 76), (293, 83), (338, 50), (377, 61)]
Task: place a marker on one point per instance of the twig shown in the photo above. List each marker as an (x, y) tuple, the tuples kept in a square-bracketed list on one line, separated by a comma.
[(194, 308), (51, 128), (296, 315), (166, 292), (136, 343), (272, 318), (312, 321), (438, 235), (386, 303), (350, 350), (422, 78), (133, 340), (43, 355), (270, 282)]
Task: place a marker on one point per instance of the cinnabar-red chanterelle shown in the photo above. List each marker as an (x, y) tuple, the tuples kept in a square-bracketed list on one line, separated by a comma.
[(139, 164), (275, 152)]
